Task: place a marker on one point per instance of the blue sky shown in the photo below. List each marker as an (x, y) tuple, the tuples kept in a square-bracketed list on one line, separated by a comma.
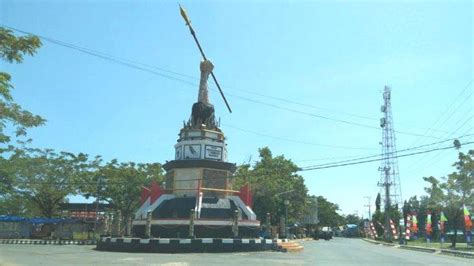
[(332, 56)]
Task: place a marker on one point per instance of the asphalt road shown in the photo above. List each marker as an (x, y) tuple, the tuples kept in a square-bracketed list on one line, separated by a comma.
[(338, 251)]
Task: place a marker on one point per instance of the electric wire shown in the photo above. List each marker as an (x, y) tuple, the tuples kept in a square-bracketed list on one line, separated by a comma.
[(379, 159), (447, 111), (294, 140), (133, 64), (391, 153), (306, 168)]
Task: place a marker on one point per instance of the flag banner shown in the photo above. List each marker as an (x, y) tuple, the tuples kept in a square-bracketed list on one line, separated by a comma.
[(442, 221), (407, 228), (428, 228), (372, 228), (414, 226), (394, 229), (467, 219), (414, 222)]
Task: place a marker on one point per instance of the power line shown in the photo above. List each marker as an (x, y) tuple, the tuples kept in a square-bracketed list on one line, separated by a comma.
[(431, 159), (296, 141), (379, 159), (317, 167), (133, 64), (416, 164), (108, 56), (331, 158), (391, 153), (447, 111)]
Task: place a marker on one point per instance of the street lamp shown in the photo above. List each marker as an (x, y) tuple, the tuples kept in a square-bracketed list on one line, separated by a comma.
[(286, 202)]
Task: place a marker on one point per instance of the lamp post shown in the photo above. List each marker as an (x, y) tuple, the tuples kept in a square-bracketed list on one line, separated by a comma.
[(286, 202)]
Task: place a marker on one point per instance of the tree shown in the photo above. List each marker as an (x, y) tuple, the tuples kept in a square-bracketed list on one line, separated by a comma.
[(328, 213), (12, 50), (462, 181), (378, 202), (379, 216), (274, 180), (15, 204), (353, 219), (120, 184), (451, 192), (44, 178)]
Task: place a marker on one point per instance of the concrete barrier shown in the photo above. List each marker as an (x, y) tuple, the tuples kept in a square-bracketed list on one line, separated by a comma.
[(46, 242), (186, 245)]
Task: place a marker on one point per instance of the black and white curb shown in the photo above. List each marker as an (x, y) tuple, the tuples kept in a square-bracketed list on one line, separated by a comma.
[(187, 245), (47, 242)]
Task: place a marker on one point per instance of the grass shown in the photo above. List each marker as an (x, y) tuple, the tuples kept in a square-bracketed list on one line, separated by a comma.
[(83, 236), (445, 245)]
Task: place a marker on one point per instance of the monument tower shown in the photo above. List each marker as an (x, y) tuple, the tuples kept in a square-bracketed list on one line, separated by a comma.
[(197, 198), (198, 183)]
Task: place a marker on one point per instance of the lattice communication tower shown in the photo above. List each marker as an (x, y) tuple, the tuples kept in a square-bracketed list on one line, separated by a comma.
[(389, 174)]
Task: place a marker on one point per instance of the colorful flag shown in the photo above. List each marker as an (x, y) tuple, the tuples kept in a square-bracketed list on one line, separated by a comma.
[(428, 224), (442, 220), (467, 219), (372, 228), (394, 229), (414, 223), (408, 225)]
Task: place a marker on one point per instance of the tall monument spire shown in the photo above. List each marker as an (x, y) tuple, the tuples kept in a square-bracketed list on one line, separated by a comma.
[(203, 110), (206, 69), (193, 33)]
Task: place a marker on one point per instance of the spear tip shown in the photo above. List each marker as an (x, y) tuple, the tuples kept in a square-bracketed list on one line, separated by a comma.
[(184, 15)]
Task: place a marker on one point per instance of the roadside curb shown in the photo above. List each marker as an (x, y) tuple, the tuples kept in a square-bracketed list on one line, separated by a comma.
[(188, 245), (422, 249), (46, 242), (463, 254)]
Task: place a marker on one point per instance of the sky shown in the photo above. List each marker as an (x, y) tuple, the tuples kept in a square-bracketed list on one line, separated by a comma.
[(294, 72)]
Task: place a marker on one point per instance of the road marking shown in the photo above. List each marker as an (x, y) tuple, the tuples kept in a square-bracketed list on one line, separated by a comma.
[(227, 241), (207, 240)]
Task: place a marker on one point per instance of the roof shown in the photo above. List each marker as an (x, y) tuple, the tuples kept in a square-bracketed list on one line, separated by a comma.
[(11, 218), (84, 206)]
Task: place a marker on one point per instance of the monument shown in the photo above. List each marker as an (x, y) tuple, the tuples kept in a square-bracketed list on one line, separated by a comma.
[(197, 208), (198, 186)]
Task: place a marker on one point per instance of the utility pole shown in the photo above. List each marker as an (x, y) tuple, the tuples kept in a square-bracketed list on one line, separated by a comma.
[(389, 174), (369, 206), (99, 190)]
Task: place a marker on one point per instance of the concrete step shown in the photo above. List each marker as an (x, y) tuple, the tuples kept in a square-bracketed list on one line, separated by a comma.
[(295, 249), (290, 247), (290, 244)]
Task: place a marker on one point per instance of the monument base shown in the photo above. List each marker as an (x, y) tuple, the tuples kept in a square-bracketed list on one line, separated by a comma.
[(209, 228), (186, 245)]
